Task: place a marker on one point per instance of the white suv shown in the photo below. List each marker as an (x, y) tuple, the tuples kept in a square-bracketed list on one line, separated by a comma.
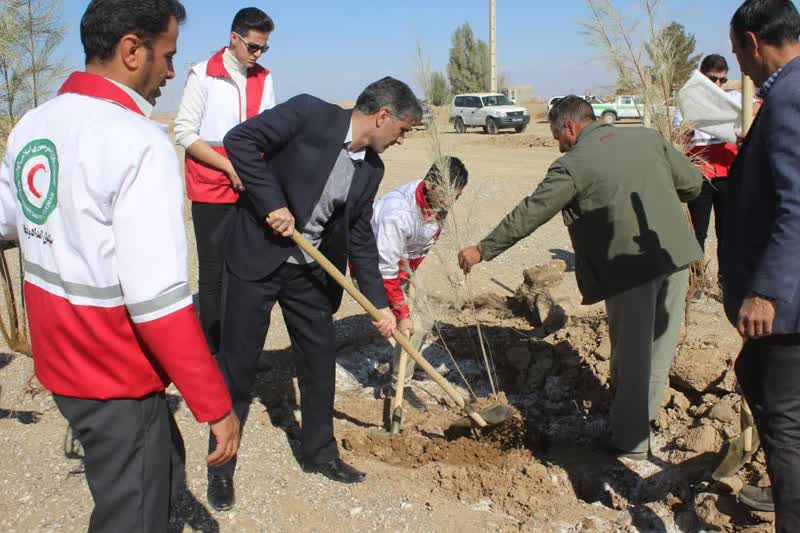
[(489, 111)]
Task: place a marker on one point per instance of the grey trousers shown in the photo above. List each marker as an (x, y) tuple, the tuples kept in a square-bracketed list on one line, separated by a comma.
[(644, 324), (134, 460)]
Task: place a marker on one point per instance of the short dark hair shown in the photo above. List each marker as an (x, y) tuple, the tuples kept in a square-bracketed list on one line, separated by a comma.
[(573, 108), (252, 18), (392, 94), (713, 63), (105, 22), (456, 173), (774, 21)]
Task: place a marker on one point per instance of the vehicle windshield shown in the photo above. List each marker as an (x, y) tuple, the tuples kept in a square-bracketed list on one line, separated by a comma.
[(496, 99), (595, 100)]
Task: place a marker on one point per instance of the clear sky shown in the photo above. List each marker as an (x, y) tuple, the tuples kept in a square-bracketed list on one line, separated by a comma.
[(333, 49)]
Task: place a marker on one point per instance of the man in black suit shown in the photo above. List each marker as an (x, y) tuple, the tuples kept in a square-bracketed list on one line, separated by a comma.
[(760, 251), (314, 166)]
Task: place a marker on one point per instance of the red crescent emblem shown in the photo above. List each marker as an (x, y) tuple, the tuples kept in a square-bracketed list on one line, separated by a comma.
[(31, 175)]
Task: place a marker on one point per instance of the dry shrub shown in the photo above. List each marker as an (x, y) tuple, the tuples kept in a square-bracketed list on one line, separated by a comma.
[(456, 235), (13, 322)]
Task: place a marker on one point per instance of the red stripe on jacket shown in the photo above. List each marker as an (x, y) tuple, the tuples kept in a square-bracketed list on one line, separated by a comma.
[(98, 353), (207, 184), (98, 87), (394, 288), (718, 159)]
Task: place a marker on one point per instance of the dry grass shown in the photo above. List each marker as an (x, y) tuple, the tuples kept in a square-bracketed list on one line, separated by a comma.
[(455, 235), (13, 320)]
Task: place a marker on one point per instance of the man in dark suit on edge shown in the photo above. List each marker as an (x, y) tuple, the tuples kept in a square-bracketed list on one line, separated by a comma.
[(319, 172), (760, 251)]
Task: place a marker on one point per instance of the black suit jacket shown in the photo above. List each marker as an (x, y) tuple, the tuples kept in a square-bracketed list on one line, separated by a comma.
[(284, 157), (760, 243)]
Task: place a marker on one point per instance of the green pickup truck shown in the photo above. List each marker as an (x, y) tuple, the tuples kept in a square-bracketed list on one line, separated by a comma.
[(625, 106)]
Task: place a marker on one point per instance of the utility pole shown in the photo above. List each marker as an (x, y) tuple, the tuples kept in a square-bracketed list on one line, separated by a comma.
[(493, 45)]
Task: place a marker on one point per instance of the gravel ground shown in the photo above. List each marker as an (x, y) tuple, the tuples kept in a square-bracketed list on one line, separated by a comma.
[(43, 489)]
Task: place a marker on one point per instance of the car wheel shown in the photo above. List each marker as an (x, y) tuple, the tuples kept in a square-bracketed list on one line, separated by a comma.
[(520, 129), (459, 124), (491, 126), (609, 117)]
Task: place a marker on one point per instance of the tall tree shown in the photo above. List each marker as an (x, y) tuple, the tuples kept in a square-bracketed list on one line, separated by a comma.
[(469, 67), (440, 91), (674, 46), (30, 31)]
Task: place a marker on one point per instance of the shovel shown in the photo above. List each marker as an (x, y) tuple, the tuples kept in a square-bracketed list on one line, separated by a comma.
[(499, 414), (740, 448)]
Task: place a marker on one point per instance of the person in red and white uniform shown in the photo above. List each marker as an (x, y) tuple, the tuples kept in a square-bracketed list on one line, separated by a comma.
[(91, 188), (407, 223), (220, 93), (718, 157)]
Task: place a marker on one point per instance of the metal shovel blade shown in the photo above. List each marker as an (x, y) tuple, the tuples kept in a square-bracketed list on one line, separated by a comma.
[(494, 416), (735, 458), (740, 448)]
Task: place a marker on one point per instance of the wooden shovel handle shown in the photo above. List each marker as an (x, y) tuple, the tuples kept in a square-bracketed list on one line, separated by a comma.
[(748, 92), (377, 316)]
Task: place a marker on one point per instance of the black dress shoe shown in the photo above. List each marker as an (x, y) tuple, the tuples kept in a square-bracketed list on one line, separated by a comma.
[(220, 492), (757, 498), (336, 470)]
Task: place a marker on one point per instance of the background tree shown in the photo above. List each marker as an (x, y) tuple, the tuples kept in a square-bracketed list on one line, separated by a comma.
[(30, 30), (673, 41), (646, 63), (484, 66), (469, 66), (12, 72), (440, 90)]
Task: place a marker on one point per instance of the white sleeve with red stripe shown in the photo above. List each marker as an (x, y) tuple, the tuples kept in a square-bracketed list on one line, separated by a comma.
[(390, 235), (8, 207), (150, 240)]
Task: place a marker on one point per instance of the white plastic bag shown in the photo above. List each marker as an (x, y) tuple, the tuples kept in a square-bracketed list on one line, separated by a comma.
[(709, 109)]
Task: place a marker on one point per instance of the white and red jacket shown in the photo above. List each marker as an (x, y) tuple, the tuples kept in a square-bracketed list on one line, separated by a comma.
[(92, 189), (221, 108), (405, 229)]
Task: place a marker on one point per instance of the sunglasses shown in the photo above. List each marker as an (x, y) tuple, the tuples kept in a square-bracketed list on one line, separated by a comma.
[(253, 47), (715, 79)]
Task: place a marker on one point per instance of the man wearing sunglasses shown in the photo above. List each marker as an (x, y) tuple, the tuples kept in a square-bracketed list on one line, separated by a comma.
[(717, 156), (220, 93)]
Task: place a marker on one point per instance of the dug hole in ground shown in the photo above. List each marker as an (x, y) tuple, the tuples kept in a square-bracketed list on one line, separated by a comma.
[(540, 472)]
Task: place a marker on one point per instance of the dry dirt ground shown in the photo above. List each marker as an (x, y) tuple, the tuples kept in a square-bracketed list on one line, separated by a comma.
[(541, 472)]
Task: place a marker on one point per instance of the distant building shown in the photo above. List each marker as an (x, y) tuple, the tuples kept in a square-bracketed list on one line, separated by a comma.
[(520, 94)]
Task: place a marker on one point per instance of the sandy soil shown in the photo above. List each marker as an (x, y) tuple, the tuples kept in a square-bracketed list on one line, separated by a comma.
[(540, 472)]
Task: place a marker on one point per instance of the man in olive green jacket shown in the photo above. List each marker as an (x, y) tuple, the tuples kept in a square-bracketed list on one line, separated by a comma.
[(620, 192)]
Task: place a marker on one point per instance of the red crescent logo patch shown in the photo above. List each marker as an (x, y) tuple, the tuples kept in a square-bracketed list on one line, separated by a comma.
[(31, 175)]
